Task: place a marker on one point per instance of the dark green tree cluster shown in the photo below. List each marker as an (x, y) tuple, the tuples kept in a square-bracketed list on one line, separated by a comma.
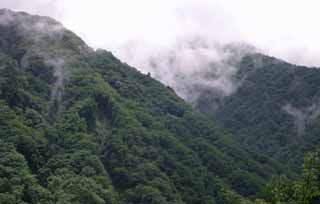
[(306, 190), (275, 108)]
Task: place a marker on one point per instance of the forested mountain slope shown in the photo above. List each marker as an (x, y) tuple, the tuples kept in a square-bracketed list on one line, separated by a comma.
[(79, 126), (275, 109)]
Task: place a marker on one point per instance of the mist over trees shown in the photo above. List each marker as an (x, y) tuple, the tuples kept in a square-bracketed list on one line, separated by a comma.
[(77, 125)]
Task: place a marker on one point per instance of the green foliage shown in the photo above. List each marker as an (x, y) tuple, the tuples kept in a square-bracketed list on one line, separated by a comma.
[(95, 130), (17, 184), (306, 190), (257, 112)]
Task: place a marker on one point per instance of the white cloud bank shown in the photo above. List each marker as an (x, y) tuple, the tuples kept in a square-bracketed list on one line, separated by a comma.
[(287, 29), (179, 41)]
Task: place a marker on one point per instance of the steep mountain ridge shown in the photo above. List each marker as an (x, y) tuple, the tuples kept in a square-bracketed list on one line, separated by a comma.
[(273, 110), (79, 126)]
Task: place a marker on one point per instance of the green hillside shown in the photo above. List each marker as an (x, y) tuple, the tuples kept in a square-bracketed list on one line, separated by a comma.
[(79, 126), (274, 110)]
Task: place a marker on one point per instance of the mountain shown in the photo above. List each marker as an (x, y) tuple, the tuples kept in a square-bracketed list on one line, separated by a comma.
[(275, 108), (79, 126)]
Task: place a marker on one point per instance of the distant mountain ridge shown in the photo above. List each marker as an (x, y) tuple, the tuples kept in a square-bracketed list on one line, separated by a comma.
[(275, 109)]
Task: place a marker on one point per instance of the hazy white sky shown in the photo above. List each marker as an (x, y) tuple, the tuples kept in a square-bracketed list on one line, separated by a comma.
[(287, 29)]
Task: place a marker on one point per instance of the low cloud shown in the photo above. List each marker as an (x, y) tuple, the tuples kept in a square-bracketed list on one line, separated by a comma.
[(302, 116), (181, 42), (191, 66), (286, 29)]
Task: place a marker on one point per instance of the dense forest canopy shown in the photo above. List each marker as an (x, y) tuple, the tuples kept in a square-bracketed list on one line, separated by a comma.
[(79, 126), (275, 109)]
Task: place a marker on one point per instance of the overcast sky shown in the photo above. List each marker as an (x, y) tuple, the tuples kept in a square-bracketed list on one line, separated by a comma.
[(288, 29)]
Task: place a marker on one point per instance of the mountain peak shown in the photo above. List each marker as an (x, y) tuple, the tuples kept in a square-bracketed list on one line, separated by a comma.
[(28, 22), (31, 32)]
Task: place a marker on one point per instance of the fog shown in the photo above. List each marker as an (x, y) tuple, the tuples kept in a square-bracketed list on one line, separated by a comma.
[(303, 116), (181, 42), (286, 29), (38, 31)]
